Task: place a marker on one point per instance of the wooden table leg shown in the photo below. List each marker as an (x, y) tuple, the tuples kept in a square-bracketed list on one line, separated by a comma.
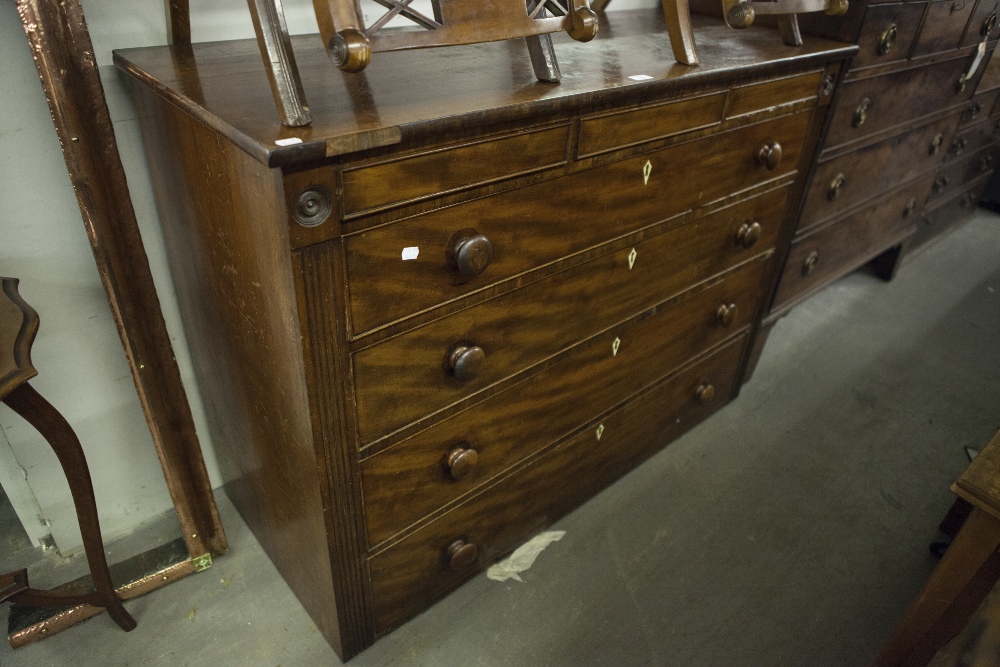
[(38, 412), (958, 585)]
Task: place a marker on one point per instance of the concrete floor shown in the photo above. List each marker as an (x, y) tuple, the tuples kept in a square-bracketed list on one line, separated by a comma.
[(789, 529)]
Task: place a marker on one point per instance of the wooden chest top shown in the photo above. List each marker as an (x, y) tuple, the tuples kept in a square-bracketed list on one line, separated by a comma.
[(442, 92)]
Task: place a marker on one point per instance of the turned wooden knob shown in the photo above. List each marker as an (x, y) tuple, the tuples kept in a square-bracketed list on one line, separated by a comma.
[(461, 460), (727, 314), (748, 234), (464, 360), (461, 555), (770, 155), (705, 393), (469, 252), (350, 50)]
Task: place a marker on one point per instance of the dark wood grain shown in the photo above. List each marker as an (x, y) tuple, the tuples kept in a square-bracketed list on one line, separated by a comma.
[(413, 573), (876, 46), (401, 379), (606, 132), (896, 99), (870, 171), (848, 243), (972, 138), (962, 171), (238, 302), (946, 214), (983, 24), (408, 481), (18, 326), (535, 225), (60, 43), (372, 187), (432, 93), (944, 26)]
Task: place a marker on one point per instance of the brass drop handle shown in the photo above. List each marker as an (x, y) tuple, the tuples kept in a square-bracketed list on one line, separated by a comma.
[(770, 155), (985, 162), (705, 393), (809, 265), (748, 234), (910, 207), (464, 360), (958, 146), (469, 252), (726, 314), (836, 7), (940, 184), (936, 144), (962, 83), (461, 460), (462, 555), (988, 25), (887, 39), (966, 201), (975, 109), (836, 185), (861, 112)]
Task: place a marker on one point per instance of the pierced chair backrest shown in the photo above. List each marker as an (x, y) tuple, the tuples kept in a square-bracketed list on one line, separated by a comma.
[(350, 42)]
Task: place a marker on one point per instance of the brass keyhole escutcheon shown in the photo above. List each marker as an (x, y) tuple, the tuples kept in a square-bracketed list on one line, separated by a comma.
[(647, 169), (887, 39), (988, 25), (631, 259), (861, 113), (910, 206), (827, 84), (936, 145), (600, 431), (836, 185), (809, 265), (615, 345)]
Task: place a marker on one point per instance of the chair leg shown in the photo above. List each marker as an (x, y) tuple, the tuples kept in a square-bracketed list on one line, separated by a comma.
[(678, 16), (38, 412), (279, 61)]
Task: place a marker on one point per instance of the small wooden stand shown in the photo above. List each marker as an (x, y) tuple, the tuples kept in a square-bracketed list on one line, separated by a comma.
[(966, 574), (18, 325)]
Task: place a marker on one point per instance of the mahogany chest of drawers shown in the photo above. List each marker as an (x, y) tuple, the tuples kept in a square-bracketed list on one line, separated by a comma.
[(910, 142), (462, 302)]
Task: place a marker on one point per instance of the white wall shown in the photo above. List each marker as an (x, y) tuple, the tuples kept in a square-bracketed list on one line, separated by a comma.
[(82, 368)]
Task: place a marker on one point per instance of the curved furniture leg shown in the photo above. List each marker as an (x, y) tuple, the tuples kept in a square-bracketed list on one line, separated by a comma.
[(38, 412), (678, 17)]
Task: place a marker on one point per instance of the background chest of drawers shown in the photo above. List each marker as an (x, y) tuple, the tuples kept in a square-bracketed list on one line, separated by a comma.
[(909, 144), (462, 302)]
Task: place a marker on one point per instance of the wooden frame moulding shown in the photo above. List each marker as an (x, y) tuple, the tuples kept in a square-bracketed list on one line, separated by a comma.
[(63, 53)]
